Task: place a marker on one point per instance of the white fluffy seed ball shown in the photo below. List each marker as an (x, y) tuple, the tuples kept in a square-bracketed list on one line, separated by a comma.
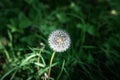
[(59, 40)]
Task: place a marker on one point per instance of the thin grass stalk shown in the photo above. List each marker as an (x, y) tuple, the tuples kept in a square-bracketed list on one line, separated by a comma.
[(51, 60)]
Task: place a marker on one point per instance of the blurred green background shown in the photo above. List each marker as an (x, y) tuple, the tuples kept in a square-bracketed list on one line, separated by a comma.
[(94, 28)]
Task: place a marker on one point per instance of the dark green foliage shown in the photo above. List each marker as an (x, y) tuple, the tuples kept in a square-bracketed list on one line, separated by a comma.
[(94, 28)]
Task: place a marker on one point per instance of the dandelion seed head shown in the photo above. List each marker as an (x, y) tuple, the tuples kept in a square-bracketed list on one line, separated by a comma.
[(59, 40)]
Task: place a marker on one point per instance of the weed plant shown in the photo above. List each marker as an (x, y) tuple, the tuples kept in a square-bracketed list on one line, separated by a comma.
[(94, 29)]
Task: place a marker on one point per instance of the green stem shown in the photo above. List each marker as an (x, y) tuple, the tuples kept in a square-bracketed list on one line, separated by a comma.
[(7, 55), (38, 60), (51, 60)]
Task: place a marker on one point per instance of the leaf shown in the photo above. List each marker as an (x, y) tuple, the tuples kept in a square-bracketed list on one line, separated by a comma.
[(88, 28), (23, 21), (62, 17), (90, 59)]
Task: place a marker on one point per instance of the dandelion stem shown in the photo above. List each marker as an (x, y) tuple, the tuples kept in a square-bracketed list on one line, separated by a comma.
[(51, 60)]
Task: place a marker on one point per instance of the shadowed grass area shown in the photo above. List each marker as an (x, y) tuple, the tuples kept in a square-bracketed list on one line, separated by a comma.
[(93, 26)]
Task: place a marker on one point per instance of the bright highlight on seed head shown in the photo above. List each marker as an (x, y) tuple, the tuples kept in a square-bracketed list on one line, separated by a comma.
[(59, 40)]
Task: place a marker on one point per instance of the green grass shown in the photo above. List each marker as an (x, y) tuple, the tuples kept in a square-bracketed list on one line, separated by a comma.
[(93, 26)]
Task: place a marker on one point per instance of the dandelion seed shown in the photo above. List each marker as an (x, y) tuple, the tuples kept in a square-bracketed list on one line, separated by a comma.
[(59, 40)]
